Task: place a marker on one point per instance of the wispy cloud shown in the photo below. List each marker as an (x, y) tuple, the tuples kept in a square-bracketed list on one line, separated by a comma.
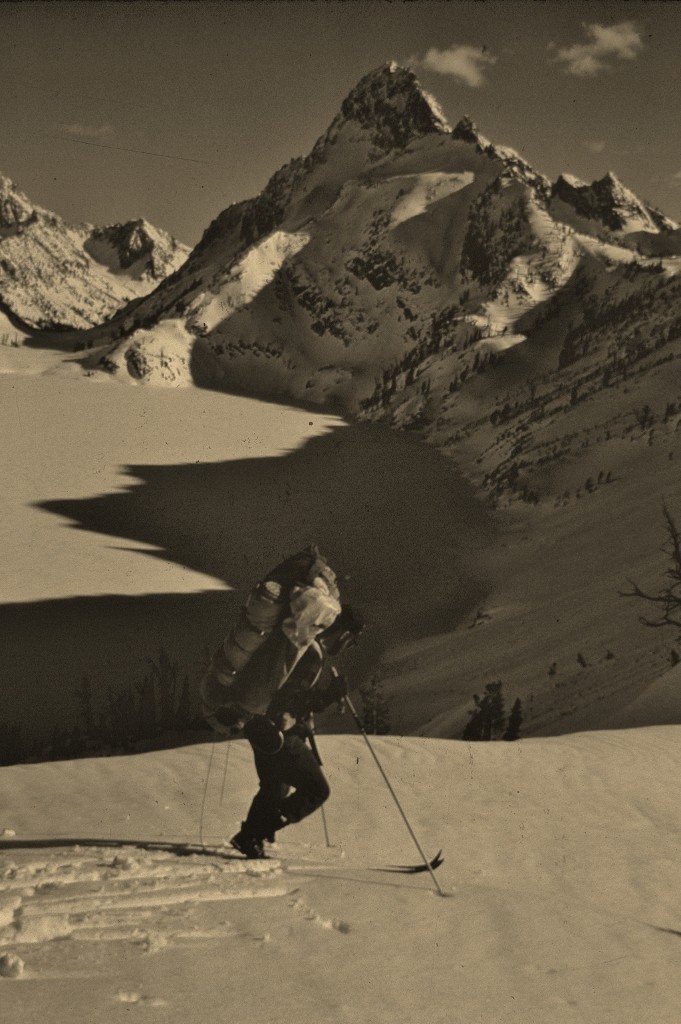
[(606, 44), (594, 145), (467, 63), (78, 130), (677, 176)]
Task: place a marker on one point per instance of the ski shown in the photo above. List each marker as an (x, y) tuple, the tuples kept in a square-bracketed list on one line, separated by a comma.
[(188, 849), (414, 869), (402, 869), (179, 849)]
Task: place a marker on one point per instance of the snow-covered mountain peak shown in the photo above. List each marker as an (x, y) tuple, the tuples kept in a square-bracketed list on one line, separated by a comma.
[(611, 179), (380, 270), (392, 105), (7, 185), (15, 207), (136, 245), (386, 111), (610, 185)]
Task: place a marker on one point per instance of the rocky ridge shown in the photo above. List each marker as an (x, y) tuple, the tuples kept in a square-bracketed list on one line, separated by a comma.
[(611, 205), (59, 276)]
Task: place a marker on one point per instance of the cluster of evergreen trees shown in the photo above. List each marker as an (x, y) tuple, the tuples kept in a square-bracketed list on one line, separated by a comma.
[(488, 719), (447, 331), (141, 714), (154, 710)]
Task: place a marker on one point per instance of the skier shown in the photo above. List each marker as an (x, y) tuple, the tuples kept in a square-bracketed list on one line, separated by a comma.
[(292, 784)]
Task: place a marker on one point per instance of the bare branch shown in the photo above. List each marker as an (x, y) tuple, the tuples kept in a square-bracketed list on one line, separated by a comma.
[(668, 598), (637, 592)]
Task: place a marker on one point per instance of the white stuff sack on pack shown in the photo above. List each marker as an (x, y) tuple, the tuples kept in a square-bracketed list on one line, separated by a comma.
[(314, 608)]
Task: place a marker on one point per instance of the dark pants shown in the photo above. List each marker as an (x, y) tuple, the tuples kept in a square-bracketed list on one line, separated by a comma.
[(295, 768)]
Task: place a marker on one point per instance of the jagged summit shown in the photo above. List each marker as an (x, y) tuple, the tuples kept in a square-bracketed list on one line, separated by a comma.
[(467, 131), (611, 203), (7, 185), (386, 111), (569, 180), (391, 103), (135, 241), (16, 208)]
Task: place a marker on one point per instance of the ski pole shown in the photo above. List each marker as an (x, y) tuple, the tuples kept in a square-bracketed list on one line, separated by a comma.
[(315, 750), (205, 792), (361, 728), (224, 774)]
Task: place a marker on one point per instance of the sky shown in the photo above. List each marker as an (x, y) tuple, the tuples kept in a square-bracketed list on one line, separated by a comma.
[(172, 111)]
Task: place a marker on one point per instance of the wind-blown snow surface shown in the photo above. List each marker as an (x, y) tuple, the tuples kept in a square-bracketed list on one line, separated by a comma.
[(561, 856)]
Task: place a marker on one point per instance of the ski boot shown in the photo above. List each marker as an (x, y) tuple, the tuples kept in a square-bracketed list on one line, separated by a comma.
[(249, 845)]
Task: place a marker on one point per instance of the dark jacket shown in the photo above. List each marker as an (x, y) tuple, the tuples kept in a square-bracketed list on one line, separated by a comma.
[(309, 686)]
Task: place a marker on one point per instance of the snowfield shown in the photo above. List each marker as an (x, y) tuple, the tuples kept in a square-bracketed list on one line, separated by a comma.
[(66, 435), (561, 872)]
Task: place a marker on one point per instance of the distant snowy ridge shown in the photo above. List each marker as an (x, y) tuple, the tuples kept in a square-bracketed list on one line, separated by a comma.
[(55, 275), (611, 205)]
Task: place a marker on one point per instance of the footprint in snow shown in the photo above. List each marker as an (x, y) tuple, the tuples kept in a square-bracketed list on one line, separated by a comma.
[(332, 924)]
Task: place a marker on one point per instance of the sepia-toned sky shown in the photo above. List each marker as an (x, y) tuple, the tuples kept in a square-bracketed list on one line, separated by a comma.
[(174, 110)]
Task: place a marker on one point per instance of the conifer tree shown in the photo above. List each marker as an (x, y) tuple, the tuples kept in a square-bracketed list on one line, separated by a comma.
[(375, 707), (488, 718), (496, 718), (515, 720)]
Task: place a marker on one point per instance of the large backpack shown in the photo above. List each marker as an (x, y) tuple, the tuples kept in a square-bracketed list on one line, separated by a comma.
[(299, 598)]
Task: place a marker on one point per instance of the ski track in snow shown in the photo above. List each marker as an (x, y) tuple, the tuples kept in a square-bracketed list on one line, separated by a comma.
[(110, 894)]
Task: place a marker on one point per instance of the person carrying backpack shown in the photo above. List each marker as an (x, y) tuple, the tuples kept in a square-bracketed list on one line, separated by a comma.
[(270, 676), (292, 784)]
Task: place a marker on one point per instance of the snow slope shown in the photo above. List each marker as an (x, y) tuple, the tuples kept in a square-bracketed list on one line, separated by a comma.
[(559, 858)]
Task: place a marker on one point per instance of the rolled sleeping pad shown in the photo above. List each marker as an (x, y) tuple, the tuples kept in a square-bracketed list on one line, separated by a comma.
[(259, 616)]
